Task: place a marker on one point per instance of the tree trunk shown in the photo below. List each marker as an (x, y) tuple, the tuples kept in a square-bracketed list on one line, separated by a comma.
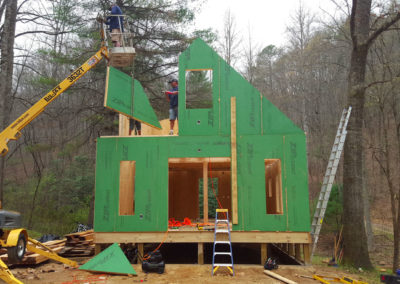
[(354, 234), (6, 72), (367, 213)]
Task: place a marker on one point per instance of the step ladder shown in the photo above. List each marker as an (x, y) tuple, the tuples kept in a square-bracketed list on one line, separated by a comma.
[(222, 243), (329, 177)]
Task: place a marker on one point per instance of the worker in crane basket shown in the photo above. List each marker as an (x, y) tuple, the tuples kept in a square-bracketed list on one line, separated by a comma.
[(116, 23)]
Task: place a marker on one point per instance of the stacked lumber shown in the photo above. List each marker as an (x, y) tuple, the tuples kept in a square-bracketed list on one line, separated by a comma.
[(31, 258), (78, 244)]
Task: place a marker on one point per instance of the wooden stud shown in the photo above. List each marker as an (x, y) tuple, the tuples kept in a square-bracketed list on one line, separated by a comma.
[(200, 253), (205, 192), (235, 217), (123, 125), (291, 249), (297, 251), (140, 247), (306, 252), (201, 237), (264, 253)]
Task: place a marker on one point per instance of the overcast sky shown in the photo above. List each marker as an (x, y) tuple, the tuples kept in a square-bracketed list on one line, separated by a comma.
[(267, 18)]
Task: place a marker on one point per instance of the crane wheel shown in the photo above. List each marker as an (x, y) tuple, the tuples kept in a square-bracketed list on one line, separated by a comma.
[(16, 254)]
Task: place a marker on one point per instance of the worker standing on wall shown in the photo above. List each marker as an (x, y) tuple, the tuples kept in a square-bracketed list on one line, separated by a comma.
[(172, 97), (116, 24), (135, 124)]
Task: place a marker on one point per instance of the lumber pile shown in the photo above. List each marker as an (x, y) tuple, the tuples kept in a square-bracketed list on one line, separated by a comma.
[(31, 258), (78, 244)]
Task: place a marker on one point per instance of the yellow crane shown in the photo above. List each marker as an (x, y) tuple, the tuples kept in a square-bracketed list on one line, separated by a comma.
[(13, 131), (12, 236)]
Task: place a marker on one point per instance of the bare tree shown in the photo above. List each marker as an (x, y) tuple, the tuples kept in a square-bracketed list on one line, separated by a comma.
[(362, 35), (230, 41), (250, 57)]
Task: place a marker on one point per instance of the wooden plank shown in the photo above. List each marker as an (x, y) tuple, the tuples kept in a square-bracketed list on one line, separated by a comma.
[(277, 276), (235, 217), (264, 253), (200, 253), (123, 125), (127, 188), (201, 237), (199, 160), (205, 192)]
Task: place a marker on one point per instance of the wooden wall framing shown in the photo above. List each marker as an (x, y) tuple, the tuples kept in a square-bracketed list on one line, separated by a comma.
[(183, 192)]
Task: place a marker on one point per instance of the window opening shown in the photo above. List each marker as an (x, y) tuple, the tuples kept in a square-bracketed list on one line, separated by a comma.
[(127, 171), (273, 186), (199, 89)]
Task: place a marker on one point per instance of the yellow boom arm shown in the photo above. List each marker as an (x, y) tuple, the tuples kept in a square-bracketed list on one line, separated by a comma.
[(13, 131)]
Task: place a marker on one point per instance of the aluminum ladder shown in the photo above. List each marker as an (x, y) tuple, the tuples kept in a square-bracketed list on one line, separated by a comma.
[(222, 249), (329, 177)]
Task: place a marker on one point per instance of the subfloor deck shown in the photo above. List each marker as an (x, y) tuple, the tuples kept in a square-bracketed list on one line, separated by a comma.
[(296, 244)]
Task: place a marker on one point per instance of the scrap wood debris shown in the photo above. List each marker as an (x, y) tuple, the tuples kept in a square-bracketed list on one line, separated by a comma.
[(78, 244)]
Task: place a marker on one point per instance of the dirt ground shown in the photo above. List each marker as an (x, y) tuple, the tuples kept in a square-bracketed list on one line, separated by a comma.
[(52, 272)]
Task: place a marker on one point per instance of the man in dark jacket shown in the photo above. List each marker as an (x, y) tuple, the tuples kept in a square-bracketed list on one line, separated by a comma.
[(116, 24)]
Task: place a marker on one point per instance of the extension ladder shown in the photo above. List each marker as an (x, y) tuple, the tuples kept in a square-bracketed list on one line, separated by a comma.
[(329, 177), (223, 246)]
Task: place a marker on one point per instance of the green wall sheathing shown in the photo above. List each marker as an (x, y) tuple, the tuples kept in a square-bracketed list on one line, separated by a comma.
[(151, 182), (127, 99), (263, 132)]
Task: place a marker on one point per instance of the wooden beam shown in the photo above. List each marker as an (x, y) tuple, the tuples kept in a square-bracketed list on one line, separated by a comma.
[(201, 237), (264, 253), (200, 253), (235, 217), (205, 192), (199, 160)]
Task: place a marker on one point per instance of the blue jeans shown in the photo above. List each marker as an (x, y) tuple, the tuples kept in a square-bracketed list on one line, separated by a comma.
[(173, 113)]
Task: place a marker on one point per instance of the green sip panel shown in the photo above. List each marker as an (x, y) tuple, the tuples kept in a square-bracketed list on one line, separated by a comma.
[(263, 132), (126, 96), (111, 260)]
